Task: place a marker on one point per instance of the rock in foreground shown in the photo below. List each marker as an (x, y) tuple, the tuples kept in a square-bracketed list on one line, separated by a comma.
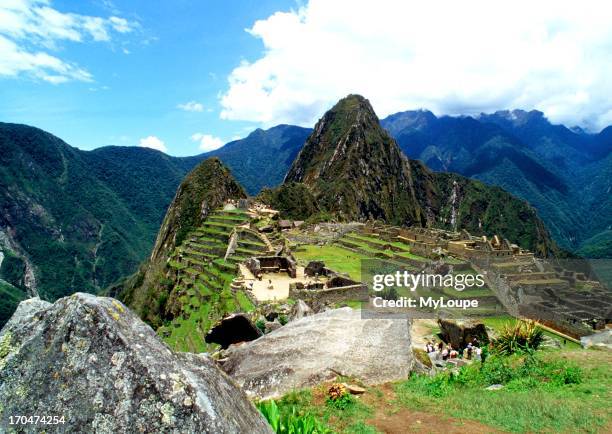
[(92, 361), (319, 347)]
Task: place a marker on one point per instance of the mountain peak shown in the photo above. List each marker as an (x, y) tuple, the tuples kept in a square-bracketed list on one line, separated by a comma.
[(518, 117), (412, 119), (349, 158)]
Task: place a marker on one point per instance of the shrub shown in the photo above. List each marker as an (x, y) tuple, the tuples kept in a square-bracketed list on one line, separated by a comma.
[(338, 397), (523, 336), (283, 319), (342, 403), (497, 370), (261, 325)]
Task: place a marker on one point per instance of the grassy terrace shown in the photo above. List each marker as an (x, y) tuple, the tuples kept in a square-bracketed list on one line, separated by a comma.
[(335, 257), (203, 282)]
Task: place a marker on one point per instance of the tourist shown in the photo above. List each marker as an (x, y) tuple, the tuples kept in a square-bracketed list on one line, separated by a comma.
[(478, 353)]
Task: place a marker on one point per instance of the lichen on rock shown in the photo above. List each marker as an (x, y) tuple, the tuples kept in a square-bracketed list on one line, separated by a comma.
[(92, 361)]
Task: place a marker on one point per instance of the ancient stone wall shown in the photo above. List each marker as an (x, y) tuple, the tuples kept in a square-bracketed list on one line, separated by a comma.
[(331, 295)]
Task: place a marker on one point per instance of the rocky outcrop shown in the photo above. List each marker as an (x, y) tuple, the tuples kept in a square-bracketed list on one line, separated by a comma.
[(461, 333), (318, 348), (94, 362)]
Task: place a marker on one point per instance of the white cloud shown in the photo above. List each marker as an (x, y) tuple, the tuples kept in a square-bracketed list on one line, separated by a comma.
[(153, 143), (207, 142), (448, 56), (31, 29), (191, 106)]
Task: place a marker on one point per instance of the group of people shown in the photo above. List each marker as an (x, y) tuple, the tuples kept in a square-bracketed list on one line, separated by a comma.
[(472, 351)]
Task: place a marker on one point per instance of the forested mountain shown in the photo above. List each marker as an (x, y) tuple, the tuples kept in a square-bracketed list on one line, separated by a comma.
[(80, 220), (563, 173)]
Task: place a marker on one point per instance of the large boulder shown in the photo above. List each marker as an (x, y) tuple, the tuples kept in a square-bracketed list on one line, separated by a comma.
[(318, 348), (460, 333), (92, 361)]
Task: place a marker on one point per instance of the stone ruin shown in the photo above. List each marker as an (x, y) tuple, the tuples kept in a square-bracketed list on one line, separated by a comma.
[(568, 300), (271, 264), (336, 288)]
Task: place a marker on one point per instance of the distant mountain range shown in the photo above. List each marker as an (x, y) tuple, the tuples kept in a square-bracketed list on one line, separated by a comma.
[(349, 169), (80, 220), (564, 173)]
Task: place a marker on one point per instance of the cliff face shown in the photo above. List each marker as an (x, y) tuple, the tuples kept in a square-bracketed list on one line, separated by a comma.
[(92, 361), (205, 188), (356, 171)]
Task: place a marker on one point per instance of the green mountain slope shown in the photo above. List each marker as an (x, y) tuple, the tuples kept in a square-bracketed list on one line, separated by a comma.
[(77, 221), (564, 174), (356, 170), (262, 158), (204, 189)]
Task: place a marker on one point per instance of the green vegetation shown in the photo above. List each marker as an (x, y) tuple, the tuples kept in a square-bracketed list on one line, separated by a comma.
[(336, 258), (521, 337), (290, 422), (549, 391), (293, 200), (84, 219), (541, 393), (10, 296), (199, 293)]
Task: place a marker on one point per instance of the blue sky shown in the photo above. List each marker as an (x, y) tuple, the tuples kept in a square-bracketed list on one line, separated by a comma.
[(186, 76), (179, 52)]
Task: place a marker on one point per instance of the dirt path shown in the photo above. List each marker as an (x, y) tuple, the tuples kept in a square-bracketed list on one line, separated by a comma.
[(389, 418)]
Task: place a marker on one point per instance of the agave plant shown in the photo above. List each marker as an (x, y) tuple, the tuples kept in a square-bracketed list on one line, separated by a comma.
[(524, 335)]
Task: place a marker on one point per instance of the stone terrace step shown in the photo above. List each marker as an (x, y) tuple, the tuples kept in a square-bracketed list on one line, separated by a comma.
[(216, 234), (221, 226), (531, 276)]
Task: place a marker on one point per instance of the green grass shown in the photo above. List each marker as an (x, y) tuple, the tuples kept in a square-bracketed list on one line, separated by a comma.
[(335, 257), (567, 391), (549, 393), (343, 420), (411, 256), (244, 301)]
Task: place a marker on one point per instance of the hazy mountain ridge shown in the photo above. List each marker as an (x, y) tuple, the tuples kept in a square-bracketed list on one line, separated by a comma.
[(559, 171)]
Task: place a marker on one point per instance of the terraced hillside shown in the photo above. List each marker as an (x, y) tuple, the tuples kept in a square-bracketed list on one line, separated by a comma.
[(356, 252), (203, 276)]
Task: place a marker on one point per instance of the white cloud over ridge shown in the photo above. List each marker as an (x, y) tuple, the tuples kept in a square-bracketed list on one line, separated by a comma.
[(31, 29), (191, 106), (207, 142), (448, 56), (153, 142)]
